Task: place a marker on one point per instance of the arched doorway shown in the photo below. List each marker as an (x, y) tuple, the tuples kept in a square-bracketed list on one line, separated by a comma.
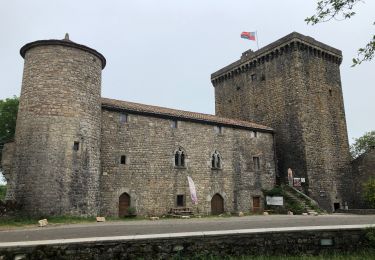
[(217, 204), (123, 205)]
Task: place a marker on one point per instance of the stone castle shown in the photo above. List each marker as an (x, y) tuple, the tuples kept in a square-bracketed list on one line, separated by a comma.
[(76, 153)]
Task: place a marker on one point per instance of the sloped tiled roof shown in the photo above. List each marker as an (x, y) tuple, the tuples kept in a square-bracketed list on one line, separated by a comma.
[(179, 114)]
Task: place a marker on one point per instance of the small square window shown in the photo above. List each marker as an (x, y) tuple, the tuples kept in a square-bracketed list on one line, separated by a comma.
[(123, 118), (256, 163), (253, 77), (76, 146), (174, 124), (218, 129), (123, 159), (180, 201)]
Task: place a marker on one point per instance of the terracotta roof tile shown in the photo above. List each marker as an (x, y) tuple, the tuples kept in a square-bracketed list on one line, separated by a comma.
[(180, 114)]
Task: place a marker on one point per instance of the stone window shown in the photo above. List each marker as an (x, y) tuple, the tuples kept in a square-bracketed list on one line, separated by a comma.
[(179, 158), (123, 159), (253, 77), (330, 92), (76, 146), (263, 77), (255, 134), (123, 118), (174, 124), (180, 202), (256, 163), (218, 129), (216, 160)]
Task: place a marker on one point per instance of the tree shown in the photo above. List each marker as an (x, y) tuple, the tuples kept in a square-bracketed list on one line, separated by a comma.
[(8, 117), (327, 10), (362, 144), (369, 191)]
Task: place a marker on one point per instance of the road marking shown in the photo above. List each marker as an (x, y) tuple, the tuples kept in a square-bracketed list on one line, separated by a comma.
[(181, 234)]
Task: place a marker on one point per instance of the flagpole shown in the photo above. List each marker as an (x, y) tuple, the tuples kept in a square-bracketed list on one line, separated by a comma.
[(256, 32)]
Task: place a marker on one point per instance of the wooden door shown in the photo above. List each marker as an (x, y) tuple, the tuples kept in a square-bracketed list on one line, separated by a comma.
[(217, 204), (256, 204), (123, 205)]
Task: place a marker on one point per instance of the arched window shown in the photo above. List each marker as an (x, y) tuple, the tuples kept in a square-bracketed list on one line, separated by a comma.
[(216, 160), (179, 158)]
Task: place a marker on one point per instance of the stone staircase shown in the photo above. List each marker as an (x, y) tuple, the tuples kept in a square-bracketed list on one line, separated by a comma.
[(300, 202)]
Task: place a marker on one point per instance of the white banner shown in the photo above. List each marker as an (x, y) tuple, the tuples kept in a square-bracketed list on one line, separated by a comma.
[(193, 192), (278, 201)]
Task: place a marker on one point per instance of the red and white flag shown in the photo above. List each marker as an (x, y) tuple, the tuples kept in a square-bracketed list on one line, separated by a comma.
[(248, 35)]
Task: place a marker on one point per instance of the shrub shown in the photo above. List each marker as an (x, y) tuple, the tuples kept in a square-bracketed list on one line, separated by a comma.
[(369, 191), (132, 211), (3, 190)]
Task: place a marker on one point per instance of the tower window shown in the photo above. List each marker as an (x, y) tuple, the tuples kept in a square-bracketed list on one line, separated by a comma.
[(179, 158), (76, 146), (180, 201), (263, 78), (330, 92), (256, 163), (123, 159), (216, 160), (123, 118)]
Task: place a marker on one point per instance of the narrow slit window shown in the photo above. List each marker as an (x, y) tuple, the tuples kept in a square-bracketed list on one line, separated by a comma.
[(76, 146), (123, 159), (256, 163)]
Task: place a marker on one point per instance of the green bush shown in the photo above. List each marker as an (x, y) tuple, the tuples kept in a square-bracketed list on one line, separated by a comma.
[(369, 191), (132, 211), (276, 191), (3, 190)]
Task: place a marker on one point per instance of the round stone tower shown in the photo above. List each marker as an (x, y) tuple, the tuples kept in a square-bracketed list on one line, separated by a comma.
[(57, 156)]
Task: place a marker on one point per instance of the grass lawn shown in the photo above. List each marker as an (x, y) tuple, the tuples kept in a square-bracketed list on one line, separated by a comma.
[(31, 221)]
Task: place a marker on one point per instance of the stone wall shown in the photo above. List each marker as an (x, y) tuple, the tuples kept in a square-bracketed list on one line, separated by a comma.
[(363, 169), (153, 181), (209, 244), (57, 157), (293, 85)]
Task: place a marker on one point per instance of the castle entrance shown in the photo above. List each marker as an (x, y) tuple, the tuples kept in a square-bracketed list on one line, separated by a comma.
[(217, 204), (123, 205)]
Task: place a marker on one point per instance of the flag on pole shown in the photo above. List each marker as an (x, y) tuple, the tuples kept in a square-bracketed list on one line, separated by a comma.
[(248, 35), (193, 192)]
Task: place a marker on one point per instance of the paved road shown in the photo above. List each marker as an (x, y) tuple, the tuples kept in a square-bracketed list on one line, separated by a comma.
[(178, 225)]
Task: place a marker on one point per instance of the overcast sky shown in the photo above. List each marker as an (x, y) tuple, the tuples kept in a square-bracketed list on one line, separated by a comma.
[(163, 52)]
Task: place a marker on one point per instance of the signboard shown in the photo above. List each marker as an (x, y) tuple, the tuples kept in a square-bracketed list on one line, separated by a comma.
[(297, 182), (276, 200)]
